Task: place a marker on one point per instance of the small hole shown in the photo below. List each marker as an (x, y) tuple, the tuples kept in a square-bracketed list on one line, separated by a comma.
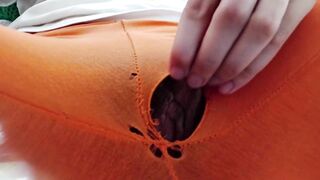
[(133, 75), (156, 151), (174, 152), (135, 130)]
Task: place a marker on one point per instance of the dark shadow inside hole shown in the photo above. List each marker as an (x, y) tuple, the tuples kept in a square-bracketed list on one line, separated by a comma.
[(174, 152), (133, 75), (177, 108), (156, 151), (135, 130)]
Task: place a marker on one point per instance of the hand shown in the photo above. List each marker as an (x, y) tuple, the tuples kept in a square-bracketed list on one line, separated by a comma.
[(226, 43)]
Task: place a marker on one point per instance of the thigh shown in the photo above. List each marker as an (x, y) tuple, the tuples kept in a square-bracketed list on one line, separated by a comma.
[(75, 103), (69, 97)]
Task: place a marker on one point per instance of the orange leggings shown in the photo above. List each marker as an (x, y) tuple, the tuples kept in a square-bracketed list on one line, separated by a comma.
[(69, 98)]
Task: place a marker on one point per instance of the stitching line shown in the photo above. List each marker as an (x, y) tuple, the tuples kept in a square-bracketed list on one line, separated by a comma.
[(66, 119), (170, 167), (139, 96), (139, 92), (256, 107), (140, 102)]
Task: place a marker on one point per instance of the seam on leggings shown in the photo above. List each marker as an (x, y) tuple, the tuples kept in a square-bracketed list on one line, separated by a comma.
[(74, 122), (139, 96), (258, 106), (140, 104), (170, 167), (139, 86)]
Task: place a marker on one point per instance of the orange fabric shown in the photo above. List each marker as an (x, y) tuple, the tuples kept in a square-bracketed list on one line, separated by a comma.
[(68, 99)]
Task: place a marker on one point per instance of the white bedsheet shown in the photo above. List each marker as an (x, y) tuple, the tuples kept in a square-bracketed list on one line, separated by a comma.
[(52, 14)]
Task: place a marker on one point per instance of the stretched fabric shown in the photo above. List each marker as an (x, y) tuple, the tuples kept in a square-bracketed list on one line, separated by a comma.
[(75, 102)]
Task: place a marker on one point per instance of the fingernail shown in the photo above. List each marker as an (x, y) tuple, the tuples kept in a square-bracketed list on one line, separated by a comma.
[(177, 73), (214, 81), (195, 81), (226, 88)]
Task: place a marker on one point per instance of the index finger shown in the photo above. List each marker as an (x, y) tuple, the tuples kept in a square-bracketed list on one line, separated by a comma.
[(194, 22)]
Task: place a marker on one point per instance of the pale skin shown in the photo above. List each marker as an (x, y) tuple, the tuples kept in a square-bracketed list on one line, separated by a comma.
[(226, 43)]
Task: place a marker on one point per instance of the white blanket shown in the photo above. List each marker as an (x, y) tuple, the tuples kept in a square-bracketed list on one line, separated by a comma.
[(52, 14)]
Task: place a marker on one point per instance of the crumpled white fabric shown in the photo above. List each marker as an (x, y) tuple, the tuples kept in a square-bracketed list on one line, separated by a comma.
[(22, 5), (6, 2), (52, 14), (4, 22)]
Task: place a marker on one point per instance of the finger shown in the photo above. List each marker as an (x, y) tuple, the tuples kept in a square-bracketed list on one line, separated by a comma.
[(227, 23), (261, 29), (192, 27), (290, 21)]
